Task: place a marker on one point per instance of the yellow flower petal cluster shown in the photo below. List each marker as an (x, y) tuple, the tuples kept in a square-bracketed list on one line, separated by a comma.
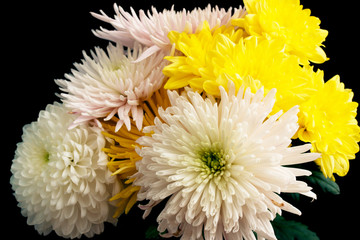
[(196, 66), (123, 158), (289, 22), (122, 153), (327, 120), (212, 57), (271, 47)]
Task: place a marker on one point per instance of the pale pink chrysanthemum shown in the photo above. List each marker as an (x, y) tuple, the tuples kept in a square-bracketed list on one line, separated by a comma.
[(151, 29), (111, 83)]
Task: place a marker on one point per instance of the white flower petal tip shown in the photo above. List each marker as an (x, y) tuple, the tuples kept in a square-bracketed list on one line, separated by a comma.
[(221, 165)]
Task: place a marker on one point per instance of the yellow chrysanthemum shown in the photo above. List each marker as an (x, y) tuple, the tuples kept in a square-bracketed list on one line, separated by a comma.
[(213, 57), (288, 21), (327, 120), (122, 150), (193, 68)]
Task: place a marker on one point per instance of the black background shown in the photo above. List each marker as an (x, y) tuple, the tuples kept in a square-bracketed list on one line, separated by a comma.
[(40, 43)]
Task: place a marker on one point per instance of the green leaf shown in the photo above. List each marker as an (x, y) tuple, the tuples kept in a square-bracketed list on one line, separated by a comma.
[(294, 196), (326, 184), (152, 233), (292, 230)]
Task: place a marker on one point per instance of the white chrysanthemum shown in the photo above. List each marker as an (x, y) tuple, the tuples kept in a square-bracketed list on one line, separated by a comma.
[(151, 29), (222, 165), (60, 177), (111, 83)]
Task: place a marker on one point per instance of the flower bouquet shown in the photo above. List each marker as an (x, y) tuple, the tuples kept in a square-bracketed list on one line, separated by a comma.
[(214, 120)]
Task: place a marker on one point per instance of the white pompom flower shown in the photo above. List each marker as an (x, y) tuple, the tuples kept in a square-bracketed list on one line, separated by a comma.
[(221, 165), (60, 176), (109, 83)]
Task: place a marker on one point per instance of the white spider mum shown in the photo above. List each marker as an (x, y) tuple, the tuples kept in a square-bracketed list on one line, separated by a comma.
[(111, 83), (151, 29), (60, 177), (222, 165)]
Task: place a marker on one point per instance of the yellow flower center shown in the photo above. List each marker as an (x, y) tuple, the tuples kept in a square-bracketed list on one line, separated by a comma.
[(214, 161)]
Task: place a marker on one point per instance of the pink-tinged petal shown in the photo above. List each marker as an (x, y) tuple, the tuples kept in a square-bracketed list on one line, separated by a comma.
[(150, 51), (151, 29), (80, 120), (112, 83), (119, 125), (137, 114), (110, 115)]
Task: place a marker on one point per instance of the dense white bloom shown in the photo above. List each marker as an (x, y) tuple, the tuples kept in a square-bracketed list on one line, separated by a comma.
[(111, 83), (222, 165), (60, 177), (151, 29)]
